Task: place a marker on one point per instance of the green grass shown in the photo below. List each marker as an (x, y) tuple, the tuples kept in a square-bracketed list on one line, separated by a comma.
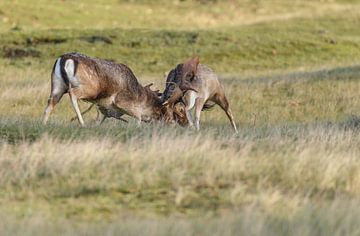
[(263, 47), (289, 68)]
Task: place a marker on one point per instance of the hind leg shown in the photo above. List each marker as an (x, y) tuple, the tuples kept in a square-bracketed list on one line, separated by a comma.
[(100, 118), (222, 101), (75, 105), (84, 112), (58, 89), (52, 101)]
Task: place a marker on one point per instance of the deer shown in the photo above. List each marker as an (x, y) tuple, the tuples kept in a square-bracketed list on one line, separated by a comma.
[(205, 88), (102, 114), (112, 87)]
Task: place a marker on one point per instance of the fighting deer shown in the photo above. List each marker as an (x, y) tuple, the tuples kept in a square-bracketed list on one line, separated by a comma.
[(112, 87), (205, 88), (102, 113)]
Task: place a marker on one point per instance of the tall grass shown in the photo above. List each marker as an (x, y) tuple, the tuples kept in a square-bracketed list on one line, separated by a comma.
[(271, 179), (338, 218)]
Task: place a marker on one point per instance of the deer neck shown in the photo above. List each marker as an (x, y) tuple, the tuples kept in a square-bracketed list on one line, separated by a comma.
[(151, 104)]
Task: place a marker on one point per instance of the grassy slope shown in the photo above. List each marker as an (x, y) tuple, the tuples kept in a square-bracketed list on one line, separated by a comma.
[(289, 70), (274, 45)]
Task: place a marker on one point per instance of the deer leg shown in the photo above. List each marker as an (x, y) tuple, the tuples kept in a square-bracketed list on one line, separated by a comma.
[(100, 120), (189, 100), (222, 101), (189, 117), (52, 101), (198, 107), (58, 89), (75, 105), (48, 109), (100, 117), (138, 119), (84, 112)]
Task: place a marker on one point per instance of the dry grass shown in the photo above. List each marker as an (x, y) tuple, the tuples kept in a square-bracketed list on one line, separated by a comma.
[(338, 218), (277, 177)]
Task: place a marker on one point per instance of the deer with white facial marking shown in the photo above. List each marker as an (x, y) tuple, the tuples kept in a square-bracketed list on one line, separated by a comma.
[(205, 88), (112, 87)]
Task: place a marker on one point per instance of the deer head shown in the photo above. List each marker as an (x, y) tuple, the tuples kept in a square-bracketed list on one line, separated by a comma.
[(182, 76), (170, 111), (188, 73), (180, 114), (179, 81)]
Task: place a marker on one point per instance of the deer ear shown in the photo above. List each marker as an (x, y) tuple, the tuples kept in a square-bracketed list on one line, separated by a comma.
[(195, 61), (191, 64)]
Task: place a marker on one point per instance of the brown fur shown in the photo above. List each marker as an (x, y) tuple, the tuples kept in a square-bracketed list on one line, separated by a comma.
[(112, 87), (205, 86)]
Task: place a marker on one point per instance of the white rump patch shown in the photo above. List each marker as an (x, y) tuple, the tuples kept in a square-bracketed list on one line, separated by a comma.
[(57, 69), (70, 67), (57, 81), (70, 72)]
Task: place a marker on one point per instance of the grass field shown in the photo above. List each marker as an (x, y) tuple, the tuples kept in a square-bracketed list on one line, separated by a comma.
[(291, 70)]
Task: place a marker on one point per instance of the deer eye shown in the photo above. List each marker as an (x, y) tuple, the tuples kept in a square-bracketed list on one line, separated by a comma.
[(190, 76)]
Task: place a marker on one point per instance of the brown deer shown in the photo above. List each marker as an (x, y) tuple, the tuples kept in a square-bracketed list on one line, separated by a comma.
[(102, 113), (112, 87), (205, 86)]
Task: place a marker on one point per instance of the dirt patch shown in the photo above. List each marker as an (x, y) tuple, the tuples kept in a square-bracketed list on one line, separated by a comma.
[(37, 41), (16, 53), (97, 39)]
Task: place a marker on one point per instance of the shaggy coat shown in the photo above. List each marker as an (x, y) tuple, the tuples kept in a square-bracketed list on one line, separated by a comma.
[(112, 87), (205, 88)]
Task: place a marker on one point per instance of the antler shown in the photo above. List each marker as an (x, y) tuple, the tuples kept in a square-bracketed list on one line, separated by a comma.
[(148, 85), (175, 96)]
